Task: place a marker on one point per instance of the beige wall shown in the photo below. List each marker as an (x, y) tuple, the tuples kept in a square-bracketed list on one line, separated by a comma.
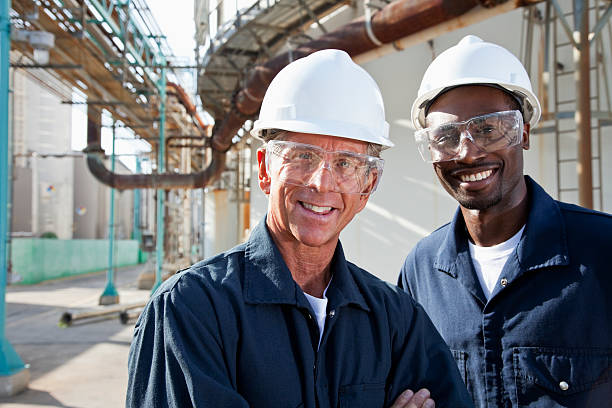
[(410, 203)]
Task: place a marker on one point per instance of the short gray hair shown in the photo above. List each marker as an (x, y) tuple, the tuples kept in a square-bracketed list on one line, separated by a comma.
[(374, 149)]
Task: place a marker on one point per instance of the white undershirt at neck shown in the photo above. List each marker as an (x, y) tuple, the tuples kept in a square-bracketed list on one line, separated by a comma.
[(489, 261), (319, 307)]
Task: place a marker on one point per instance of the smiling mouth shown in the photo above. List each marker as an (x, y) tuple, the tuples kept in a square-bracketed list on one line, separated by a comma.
[(316, 209), (481, 175)]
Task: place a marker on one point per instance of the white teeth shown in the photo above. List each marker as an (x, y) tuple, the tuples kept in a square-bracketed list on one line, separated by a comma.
[(316, 208), (476, 176)]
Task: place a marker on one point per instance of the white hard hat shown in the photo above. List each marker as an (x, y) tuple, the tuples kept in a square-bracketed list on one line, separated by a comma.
[(474, 61), (325, 93)]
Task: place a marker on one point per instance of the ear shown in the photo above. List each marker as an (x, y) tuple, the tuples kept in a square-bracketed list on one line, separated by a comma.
[(525, 141), (263, 176), (363, 200)]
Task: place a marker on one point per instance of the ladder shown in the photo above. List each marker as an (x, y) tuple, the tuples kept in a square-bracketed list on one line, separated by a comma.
[(560, 23)]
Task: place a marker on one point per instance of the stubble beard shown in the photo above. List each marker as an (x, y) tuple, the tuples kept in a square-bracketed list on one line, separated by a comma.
[(478, 203), (474, 201)]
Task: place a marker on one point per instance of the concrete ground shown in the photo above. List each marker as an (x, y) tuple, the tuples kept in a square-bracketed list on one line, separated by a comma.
[(84, 365)]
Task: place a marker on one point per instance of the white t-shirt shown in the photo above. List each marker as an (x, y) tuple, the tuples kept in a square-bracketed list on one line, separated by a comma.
[(489, 261), (319, 307)]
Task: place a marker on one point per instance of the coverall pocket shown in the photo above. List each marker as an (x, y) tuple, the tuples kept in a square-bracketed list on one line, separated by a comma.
[(558, 377), (362, 395)]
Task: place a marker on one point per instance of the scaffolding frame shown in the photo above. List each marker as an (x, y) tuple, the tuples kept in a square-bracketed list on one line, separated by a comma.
[(579, 117)]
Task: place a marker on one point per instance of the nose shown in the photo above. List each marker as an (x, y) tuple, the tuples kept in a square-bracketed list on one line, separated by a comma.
[(322, 179), (469, 152)]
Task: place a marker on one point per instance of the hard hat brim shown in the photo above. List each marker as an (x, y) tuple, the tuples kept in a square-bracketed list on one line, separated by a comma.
[(417, 112), (325, 127)]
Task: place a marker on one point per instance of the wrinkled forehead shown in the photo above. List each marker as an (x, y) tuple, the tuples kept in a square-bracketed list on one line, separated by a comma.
[(325, 142)]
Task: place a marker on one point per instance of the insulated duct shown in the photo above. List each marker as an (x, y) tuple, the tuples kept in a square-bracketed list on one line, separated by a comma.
[(395, 21)]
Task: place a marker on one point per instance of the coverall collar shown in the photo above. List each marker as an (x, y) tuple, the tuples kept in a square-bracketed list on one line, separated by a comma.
[(268, 280), (544, 225)]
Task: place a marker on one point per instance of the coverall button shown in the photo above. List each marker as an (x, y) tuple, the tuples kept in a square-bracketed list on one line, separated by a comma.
[(564, 386), (332, 313), (504, 281)]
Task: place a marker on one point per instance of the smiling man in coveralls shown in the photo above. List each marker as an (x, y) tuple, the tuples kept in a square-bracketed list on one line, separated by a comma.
[(284, 320), (518, 284)]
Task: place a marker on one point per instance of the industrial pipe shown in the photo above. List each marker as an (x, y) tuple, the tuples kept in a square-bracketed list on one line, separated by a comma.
[(583, 112), (394, 22), (186, 102), (167, 181)]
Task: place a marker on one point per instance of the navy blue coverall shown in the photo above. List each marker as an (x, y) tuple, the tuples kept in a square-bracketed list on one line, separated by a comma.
[(237, 331), (544, 339)]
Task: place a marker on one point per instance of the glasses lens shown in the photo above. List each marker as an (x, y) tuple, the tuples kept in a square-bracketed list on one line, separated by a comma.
[(490, 132), (440, 143), (497, 130), (303, 165)]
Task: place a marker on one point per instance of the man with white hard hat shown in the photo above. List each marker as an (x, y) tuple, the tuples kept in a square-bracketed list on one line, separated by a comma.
[(284, 320), (518, 284)]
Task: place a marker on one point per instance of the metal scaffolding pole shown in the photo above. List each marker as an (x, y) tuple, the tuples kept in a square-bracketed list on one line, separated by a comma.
[(583, 102), (160, 193), (109, 295), (136, 232), (14, 374)]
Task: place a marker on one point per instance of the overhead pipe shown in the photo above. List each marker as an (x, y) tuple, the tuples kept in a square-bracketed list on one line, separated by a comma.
[(394, 22), (167, 181), (185, 100)]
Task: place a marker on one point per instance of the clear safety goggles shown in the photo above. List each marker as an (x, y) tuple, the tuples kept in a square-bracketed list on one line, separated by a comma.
[(303, 164), (491, 132)]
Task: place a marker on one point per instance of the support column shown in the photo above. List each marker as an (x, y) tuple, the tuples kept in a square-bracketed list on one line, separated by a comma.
[(136, 232), (109, 295), (160, 193), (14, 374), (583, 102)]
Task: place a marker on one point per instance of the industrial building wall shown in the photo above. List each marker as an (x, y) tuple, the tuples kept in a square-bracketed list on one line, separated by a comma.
[(90, 202), (124, 213), (91, 205), (41, 124), (221, 220), (21, 210), (409, 202)]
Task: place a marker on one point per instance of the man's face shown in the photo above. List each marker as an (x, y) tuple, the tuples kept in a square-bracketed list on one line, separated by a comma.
[(313, 215), (497, 177)]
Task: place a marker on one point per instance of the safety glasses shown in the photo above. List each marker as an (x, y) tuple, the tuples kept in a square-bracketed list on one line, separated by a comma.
[(491, 132), (303, 165)]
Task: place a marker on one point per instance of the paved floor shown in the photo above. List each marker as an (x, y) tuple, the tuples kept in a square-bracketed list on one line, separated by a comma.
[(84, 365)]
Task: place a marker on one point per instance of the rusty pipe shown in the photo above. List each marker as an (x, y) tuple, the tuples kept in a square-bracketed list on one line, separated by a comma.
[(395, 21), (166, 181), (187, 103), (473, 16)]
